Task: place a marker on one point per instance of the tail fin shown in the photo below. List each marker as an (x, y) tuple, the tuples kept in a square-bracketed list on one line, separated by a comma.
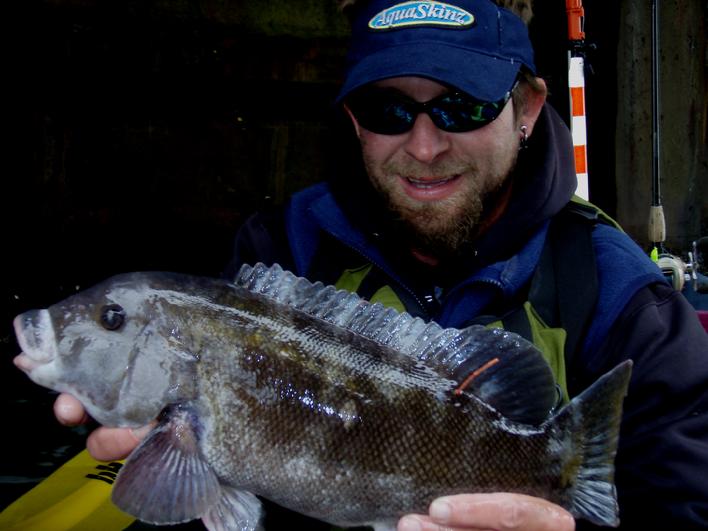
[(592, 421)]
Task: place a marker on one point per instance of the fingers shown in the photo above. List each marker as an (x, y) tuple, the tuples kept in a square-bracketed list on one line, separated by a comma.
[(104, 444), (69, 411), (111, 444), (418, 522), (500, 511)]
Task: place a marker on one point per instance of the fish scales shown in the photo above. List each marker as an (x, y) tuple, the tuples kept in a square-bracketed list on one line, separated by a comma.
[(418, 444), (347, 412)]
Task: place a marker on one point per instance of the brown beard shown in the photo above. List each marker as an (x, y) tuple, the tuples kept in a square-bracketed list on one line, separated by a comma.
[(429, 227)]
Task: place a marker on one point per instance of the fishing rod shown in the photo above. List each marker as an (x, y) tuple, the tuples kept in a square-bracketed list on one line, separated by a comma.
[(657, 222), (675, 269), (576, 86)]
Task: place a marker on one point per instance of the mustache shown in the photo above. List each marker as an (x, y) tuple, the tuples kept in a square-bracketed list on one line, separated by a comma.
[(417, 170)]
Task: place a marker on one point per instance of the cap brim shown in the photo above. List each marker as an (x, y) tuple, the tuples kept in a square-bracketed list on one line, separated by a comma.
[(481, 75)]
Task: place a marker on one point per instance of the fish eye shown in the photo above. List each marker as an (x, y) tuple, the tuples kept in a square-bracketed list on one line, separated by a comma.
[(112, 316)]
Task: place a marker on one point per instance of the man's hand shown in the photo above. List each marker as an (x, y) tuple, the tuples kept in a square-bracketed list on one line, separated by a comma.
[(498, 511), (104, 444)]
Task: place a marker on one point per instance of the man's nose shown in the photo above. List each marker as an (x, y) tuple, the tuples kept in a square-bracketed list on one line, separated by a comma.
[(425, 141)]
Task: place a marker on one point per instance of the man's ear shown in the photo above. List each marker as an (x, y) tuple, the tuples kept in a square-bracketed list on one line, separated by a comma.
[(533, 99), (357, 129)]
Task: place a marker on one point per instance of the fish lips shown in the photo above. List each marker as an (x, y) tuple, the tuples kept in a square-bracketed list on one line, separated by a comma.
[(35, 335)]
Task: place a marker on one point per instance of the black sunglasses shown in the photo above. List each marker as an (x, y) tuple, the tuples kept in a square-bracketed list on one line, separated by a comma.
[(386, 111)]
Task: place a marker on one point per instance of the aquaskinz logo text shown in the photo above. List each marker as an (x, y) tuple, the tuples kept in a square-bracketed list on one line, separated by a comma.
[(421, 14)]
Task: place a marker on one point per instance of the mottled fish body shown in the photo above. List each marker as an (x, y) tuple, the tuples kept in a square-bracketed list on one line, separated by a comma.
[(313, 398)]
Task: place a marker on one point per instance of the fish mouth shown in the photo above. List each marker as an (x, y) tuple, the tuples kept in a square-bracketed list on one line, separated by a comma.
[(35, 335)]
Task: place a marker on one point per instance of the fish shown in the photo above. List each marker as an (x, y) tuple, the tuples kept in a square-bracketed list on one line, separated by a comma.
[(269, 386)]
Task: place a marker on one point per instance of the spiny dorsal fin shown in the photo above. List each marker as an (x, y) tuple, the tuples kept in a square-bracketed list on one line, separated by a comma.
[(499, 367)]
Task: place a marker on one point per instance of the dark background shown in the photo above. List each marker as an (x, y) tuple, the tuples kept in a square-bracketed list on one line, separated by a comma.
[(141, 134)]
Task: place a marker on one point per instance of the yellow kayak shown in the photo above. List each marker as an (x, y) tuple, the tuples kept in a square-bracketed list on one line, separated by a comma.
[(76, 497)]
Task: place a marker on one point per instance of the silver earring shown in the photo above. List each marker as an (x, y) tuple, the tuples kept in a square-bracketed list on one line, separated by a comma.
[(524, 143)]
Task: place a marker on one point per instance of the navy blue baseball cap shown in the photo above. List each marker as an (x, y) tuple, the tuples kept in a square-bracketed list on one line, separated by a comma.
[(473, 45)]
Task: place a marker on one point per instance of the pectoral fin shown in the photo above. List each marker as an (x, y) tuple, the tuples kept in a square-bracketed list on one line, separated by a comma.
[(166, 480)]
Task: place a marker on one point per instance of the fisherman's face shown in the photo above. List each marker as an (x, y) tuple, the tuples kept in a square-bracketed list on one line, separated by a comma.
[(436, 182)]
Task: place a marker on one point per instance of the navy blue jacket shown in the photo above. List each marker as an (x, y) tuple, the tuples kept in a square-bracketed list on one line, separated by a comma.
[(662, 461)]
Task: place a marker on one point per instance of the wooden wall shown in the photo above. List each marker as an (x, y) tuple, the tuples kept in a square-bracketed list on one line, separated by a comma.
[(683, 118), (143, 132)]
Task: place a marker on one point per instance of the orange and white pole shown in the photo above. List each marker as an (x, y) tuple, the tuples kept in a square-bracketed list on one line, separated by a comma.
[(576, 84)]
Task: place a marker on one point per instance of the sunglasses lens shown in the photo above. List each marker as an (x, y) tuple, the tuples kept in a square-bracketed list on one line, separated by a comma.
[(458, 113), (382, 112)]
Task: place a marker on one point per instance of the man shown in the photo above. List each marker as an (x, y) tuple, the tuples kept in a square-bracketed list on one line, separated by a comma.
[(462, 215)]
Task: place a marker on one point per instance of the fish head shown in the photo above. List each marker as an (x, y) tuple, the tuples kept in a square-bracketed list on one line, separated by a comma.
[(111, 346)]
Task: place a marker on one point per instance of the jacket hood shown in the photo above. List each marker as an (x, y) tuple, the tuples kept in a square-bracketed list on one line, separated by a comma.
[(543, 182)]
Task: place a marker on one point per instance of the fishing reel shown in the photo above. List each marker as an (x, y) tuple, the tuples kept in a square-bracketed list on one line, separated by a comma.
[(680, 272)]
